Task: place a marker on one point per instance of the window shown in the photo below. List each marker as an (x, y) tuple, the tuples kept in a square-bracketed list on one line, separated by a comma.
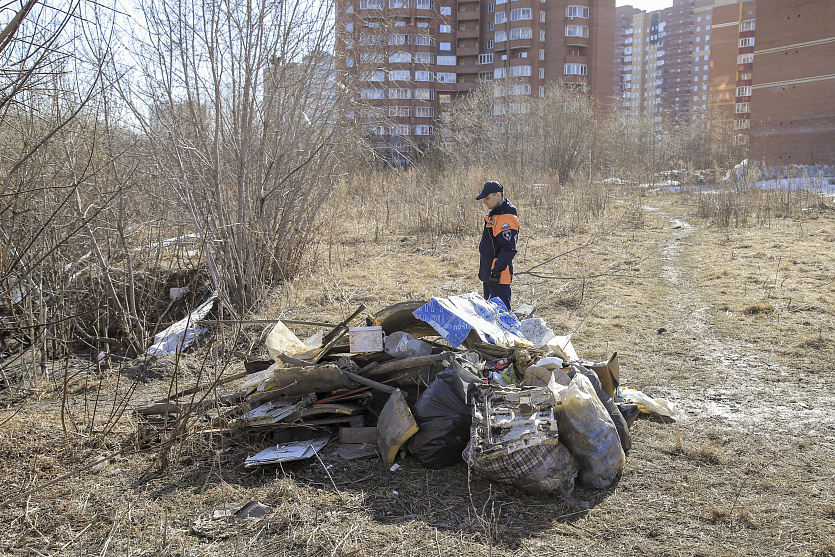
[(745, 58), (576, 31), (398, 4), (424, 4), (485, 58), (542, 54), (422, 75), (521, 33), (349, 27), (400, 39), (523, 54), (501, 36), (577, 11), (402, 111), (446, 60), (520, 14), (489, 43), (373, 94), (446, 77), (445, 46), (446, 28), (490, 25), (744, 91), (575, 69), (445, 98), (704, 68), (542, 17), (541, 90), (395, 93), (499, 73), (423, 129), (400, 57), (520, 71), (349, 62), (424, 40), (541, 73), (371, 4), (747, 41), (747, 25), (745, 76), (741, 124), (542, 36), (399, 23), (446, 10), (424, 112), (399, 129), (349, 9), (370, 40), (424, 58), (707, 38), (520, 89), (376, 75), (425, 94), (501, 17), (400, 75), (371, 58), (742, 108), (485, 76), (490, 8)]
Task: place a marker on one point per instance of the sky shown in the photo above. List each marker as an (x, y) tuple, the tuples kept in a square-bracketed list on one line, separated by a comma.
[(646, 5)]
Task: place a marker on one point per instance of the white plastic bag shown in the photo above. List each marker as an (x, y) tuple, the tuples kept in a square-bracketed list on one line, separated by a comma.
[(402, 345), (589, 433)]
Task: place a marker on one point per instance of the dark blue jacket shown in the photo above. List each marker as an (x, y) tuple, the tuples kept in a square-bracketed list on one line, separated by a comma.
[(498, 243)]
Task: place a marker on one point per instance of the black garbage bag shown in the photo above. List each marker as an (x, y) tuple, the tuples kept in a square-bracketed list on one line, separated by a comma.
[(609, 404), (629, 412), (444, 417)]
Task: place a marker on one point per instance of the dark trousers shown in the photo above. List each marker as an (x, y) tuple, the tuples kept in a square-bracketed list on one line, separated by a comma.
[(502, 293)]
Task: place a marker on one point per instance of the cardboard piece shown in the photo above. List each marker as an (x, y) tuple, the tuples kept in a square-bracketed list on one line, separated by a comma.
[(609, 374), (395, 426), (281, 340), (358, 435)]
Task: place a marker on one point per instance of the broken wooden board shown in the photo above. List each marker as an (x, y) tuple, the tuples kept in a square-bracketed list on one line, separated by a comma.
[(395, 426), (325, 409), (358, 434), (354, 451)]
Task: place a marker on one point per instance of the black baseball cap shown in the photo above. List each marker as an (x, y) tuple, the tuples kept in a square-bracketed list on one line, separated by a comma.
[(490, 187)]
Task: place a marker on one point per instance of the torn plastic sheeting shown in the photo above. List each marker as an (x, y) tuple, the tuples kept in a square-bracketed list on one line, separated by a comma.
[(454, 317), (182, 333), (646, 404), (285, 452)]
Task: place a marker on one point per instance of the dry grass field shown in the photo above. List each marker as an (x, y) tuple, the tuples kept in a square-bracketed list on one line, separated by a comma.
[(736, 326)]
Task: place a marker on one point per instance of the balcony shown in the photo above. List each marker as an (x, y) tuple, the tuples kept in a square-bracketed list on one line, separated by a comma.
[(517, 44), (467, 33), (576, 41), (468, 15)]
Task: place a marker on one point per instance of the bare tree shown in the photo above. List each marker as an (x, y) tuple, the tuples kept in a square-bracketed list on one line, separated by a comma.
[(241, 107)]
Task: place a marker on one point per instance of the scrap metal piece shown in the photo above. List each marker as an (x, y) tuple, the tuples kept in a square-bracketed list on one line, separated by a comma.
[(286, 452), (506, 419), (276, 410)]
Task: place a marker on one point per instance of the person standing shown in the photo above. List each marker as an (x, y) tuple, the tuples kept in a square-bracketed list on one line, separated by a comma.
[(498, 243)]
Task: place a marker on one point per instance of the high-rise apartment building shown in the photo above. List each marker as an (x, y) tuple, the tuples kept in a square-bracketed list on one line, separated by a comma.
[(410, 59), (764, 66), (792, 92)]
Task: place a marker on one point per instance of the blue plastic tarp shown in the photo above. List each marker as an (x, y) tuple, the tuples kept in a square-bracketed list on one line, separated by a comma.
[(454, 317)]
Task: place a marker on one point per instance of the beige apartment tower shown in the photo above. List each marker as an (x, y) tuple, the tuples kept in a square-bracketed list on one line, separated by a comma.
[(410, 59)]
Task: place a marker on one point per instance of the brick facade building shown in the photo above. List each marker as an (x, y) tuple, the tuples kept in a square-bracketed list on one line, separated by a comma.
[(410, 59)]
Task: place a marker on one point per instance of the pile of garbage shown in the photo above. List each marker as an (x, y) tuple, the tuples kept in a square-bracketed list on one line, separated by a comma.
[(444, 380)]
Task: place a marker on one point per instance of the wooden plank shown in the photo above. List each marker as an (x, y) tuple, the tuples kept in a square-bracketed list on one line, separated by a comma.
[(358, 435)]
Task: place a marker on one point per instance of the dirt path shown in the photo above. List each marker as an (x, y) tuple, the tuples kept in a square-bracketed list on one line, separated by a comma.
[(738, 384)]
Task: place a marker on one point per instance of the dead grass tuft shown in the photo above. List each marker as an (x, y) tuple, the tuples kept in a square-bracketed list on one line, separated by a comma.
[(759, 308)]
